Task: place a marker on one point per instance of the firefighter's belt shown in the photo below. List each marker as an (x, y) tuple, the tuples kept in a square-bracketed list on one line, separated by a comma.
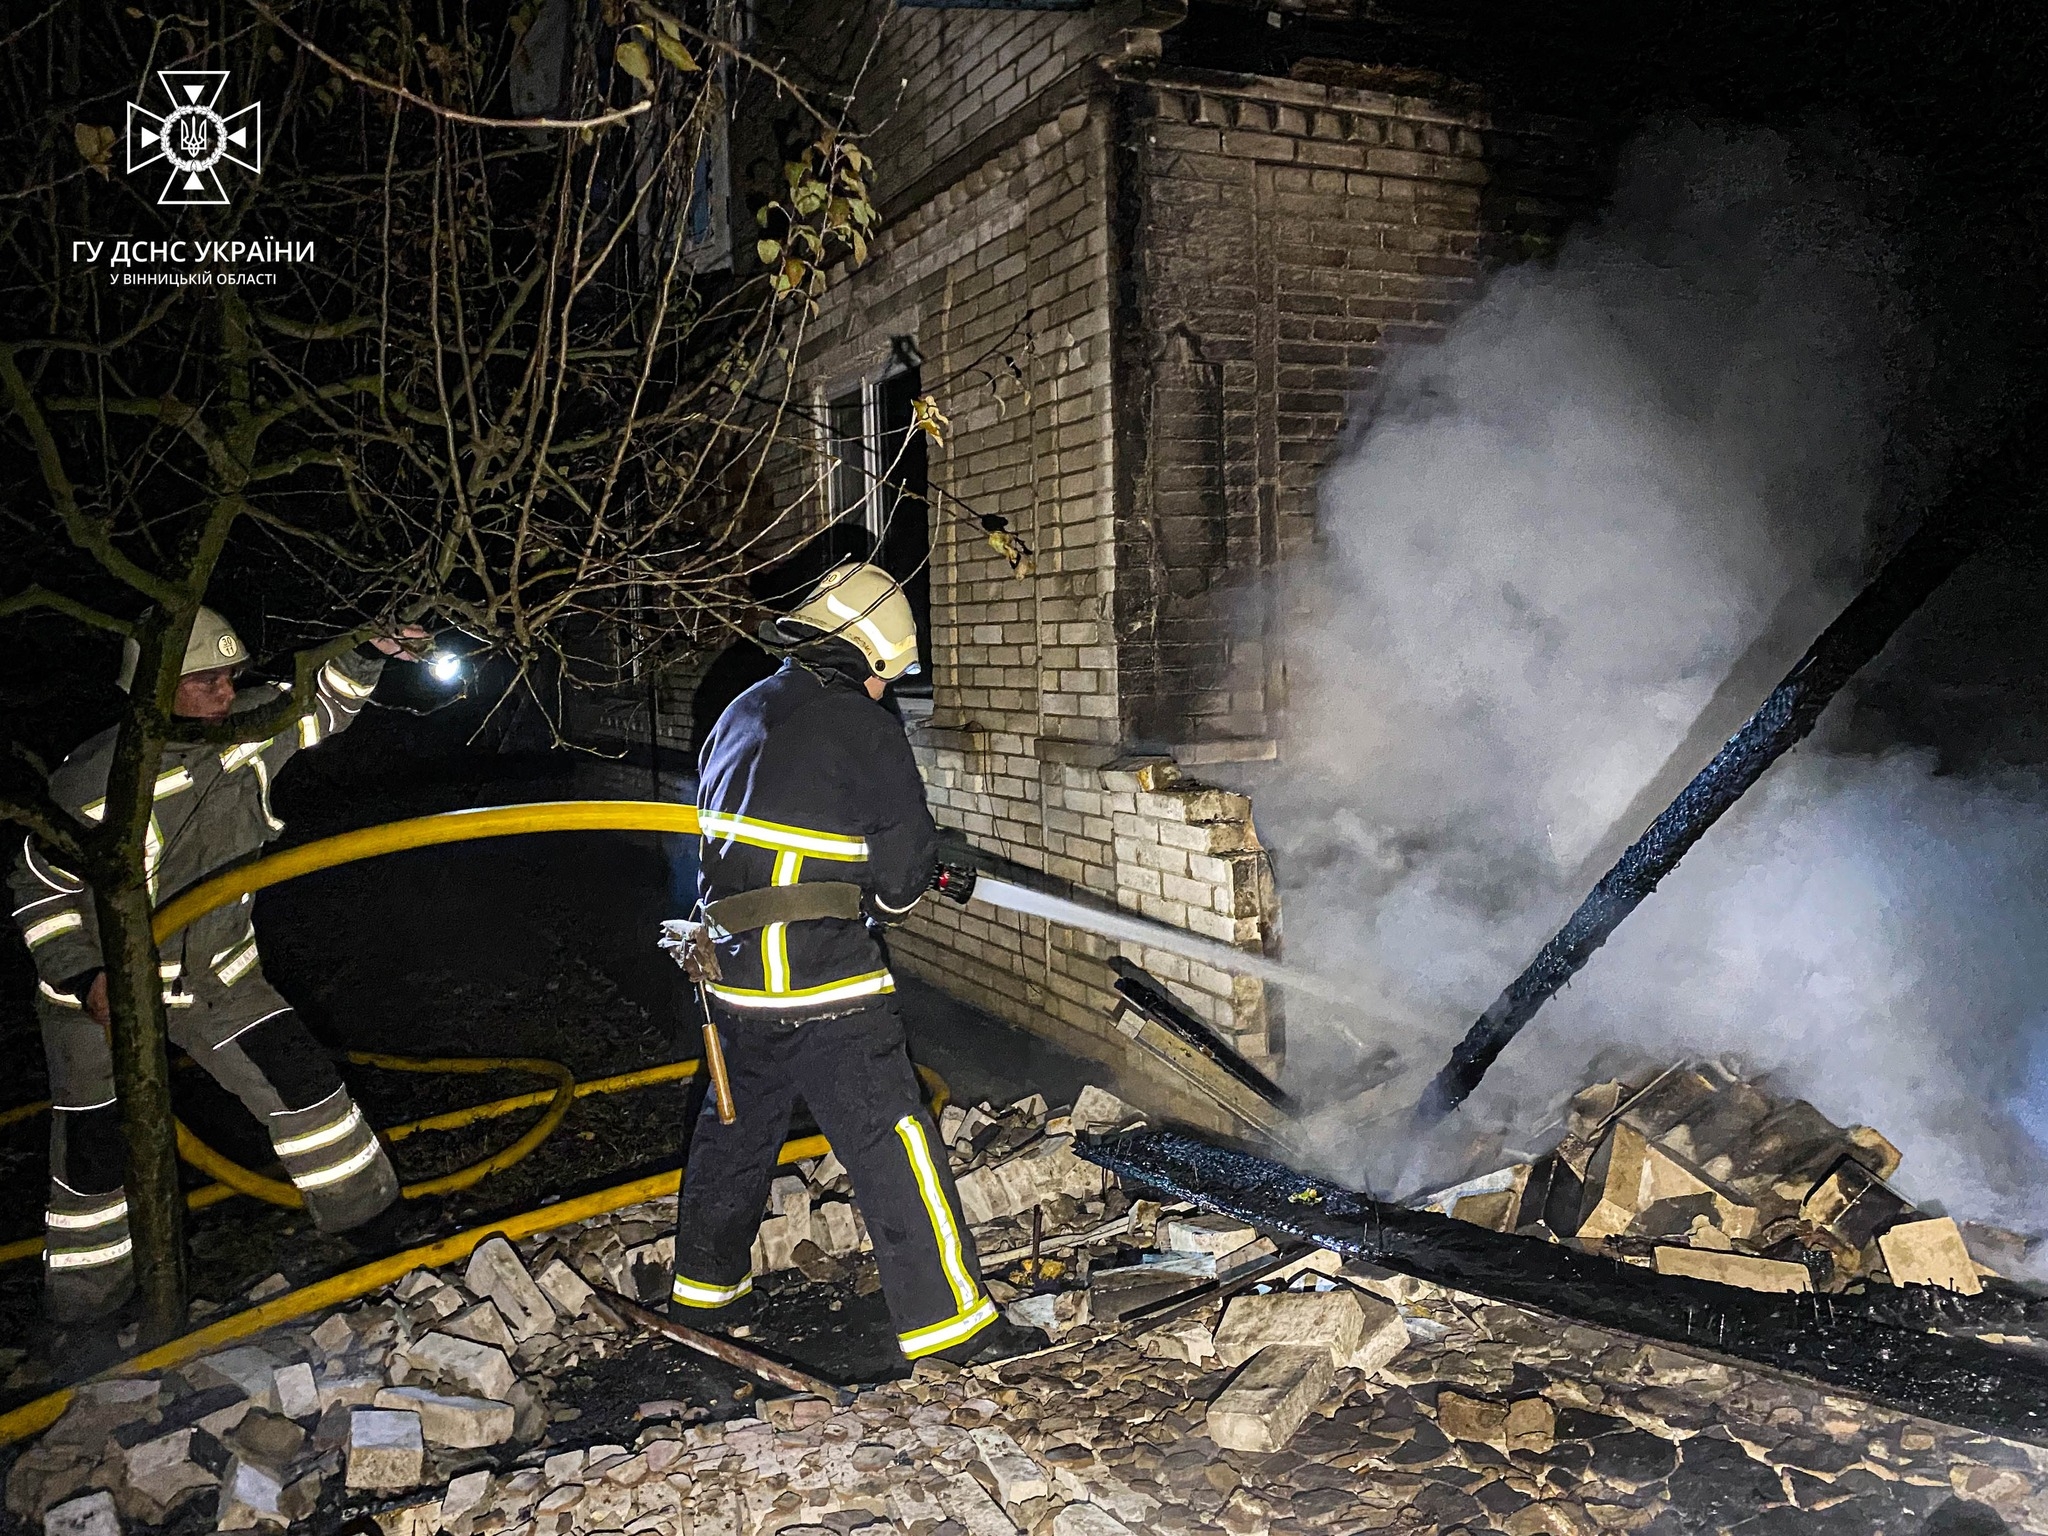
[(804, 902)]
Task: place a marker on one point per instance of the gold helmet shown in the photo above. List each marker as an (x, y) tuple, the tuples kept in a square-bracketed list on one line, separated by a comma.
[(864, 606), (213, 643)]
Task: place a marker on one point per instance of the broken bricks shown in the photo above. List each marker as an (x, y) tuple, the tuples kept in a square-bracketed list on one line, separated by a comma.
[(1930, 1253), (1704, 1174), (1360, 1332), (1262, 1408), (386, 1450)]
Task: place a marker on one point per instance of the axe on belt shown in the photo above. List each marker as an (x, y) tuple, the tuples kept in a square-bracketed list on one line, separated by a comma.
[(692, 942)]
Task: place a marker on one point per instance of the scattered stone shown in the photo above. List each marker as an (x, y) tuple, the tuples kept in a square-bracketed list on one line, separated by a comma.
[(267, 1287), (1470, 1418), (815, 1264), (1188, 1340), (334, 1336), (1087, 1520), (1532, 1425), (1262, 1408), (463, 1423), (1853, 1203), (648, 1270), (1361, 1332), (1930, 1253), (794, 1413), (247, 1367), (836, 1229), (1054, 1311), (1017, 1477), (251, 1495), (164, 1472), (92, 1515), (298, 1396), (564, 1287), (266, 1438), (775, 1242), (495, 1271), (482, 1324), (1734, 1269), (1012, 1187), (1204, 1233), (465, 1496), (480, 1369), (386, 1450), (968, 1502), (1097, 1111), (355, 1390)]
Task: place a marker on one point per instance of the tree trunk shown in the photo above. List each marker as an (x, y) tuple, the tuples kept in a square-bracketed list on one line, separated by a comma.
[(142, 1078)]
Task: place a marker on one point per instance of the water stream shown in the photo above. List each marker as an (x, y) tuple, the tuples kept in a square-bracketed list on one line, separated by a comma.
[(1353, 996)]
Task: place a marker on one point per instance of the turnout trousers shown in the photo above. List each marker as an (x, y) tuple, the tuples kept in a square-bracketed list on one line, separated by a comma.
[(854, 1072), (248, 1039)]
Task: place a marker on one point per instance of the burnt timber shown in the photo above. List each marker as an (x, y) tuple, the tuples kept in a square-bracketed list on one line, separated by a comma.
[(1883, 1345)]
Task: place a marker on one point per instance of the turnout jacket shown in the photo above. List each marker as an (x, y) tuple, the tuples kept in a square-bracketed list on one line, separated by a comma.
[(806, 778), (212, 811)]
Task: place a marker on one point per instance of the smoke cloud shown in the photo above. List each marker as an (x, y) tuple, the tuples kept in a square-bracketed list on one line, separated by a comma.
[(1570, 550)]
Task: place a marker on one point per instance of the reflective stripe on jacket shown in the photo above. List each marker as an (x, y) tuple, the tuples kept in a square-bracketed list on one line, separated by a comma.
[(212, 811), (806, 778)]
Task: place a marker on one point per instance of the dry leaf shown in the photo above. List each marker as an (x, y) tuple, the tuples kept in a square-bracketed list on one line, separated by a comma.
[(96, 144), (632, 58)]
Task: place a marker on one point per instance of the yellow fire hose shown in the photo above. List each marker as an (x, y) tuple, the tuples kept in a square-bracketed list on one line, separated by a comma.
[(233, 1179)]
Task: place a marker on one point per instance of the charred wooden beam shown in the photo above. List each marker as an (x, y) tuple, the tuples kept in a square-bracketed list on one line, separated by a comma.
[(1953, 532), (1876, 1345)]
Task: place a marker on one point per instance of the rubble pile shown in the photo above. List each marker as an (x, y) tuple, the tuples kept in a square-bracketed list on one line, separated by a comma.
[(1308, 1393), (1701, 1173), (405, 1387), (385, 1395), (1483, 1417)]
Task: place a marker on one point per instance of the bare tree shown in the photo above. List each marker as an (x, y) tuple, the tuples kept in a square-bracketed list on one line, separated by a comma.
[(476, 375)]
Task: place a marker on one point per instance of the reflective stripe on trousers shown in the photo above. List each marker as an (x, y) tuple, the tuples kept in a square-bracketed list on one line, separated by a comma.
[(695, 1293), (85, 1231), (976, 1311), (326, 1145)]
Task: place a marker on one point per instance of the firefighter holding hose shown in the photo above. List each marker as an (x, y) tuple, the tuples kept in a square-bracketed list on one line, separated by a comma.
[(212, 811), (816, 836)]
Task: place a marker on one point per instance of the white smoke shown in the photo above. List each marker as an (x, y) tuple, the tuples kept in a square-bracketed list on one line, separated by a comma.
[(1571, 549)]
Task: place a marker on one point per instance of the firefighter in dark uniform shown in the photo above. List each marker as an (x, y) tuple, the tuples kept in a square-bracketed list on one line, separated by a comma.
[(815, 836), (212, 811)]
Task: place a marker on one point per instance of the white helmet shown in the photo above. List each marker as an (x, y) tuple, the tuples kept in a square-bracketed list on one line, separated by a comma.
[(213, 643), (864, 606)]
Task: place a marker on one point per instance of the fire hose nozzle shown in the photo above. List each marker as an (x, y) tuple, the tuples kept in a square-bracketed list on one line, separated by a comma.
[(955, 882)]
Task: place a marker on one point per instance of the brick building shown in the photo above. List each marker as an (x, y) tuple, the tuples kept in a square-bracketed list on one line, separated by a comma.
[(1147, 292)]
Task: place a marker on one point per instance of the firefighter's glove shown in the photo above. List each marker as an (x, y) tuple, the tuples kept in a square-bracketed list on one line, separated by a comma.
[(689, 944)]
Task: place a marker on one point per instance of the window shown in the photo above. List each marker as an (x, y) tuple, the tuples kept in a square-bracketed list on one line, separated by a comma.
[(879, 481)]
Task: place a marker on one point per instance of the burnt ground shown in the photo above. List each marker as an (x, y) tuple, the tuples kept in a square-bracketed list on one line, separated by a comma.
[(536, 946)]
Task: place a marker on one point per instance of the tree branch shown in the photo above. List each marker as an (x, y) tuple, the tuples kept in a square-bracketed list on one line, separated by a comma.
[(46, 820), (88, 533), (39, 596), (618, 115)]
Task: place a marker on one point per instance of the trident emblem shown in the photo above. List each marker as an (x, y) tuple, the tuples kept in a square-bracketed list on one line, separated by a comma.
[(193, 137)]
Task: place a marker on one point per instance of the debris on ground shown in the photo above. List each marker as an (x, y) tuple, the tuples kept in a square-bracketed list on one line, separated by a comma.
[(1202, 1393), (1702, 1173)]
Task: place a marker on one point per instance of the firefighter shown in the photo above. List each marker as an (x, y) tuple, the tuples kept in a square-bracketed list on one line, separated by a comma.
[(815, 837), (212, 811)]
